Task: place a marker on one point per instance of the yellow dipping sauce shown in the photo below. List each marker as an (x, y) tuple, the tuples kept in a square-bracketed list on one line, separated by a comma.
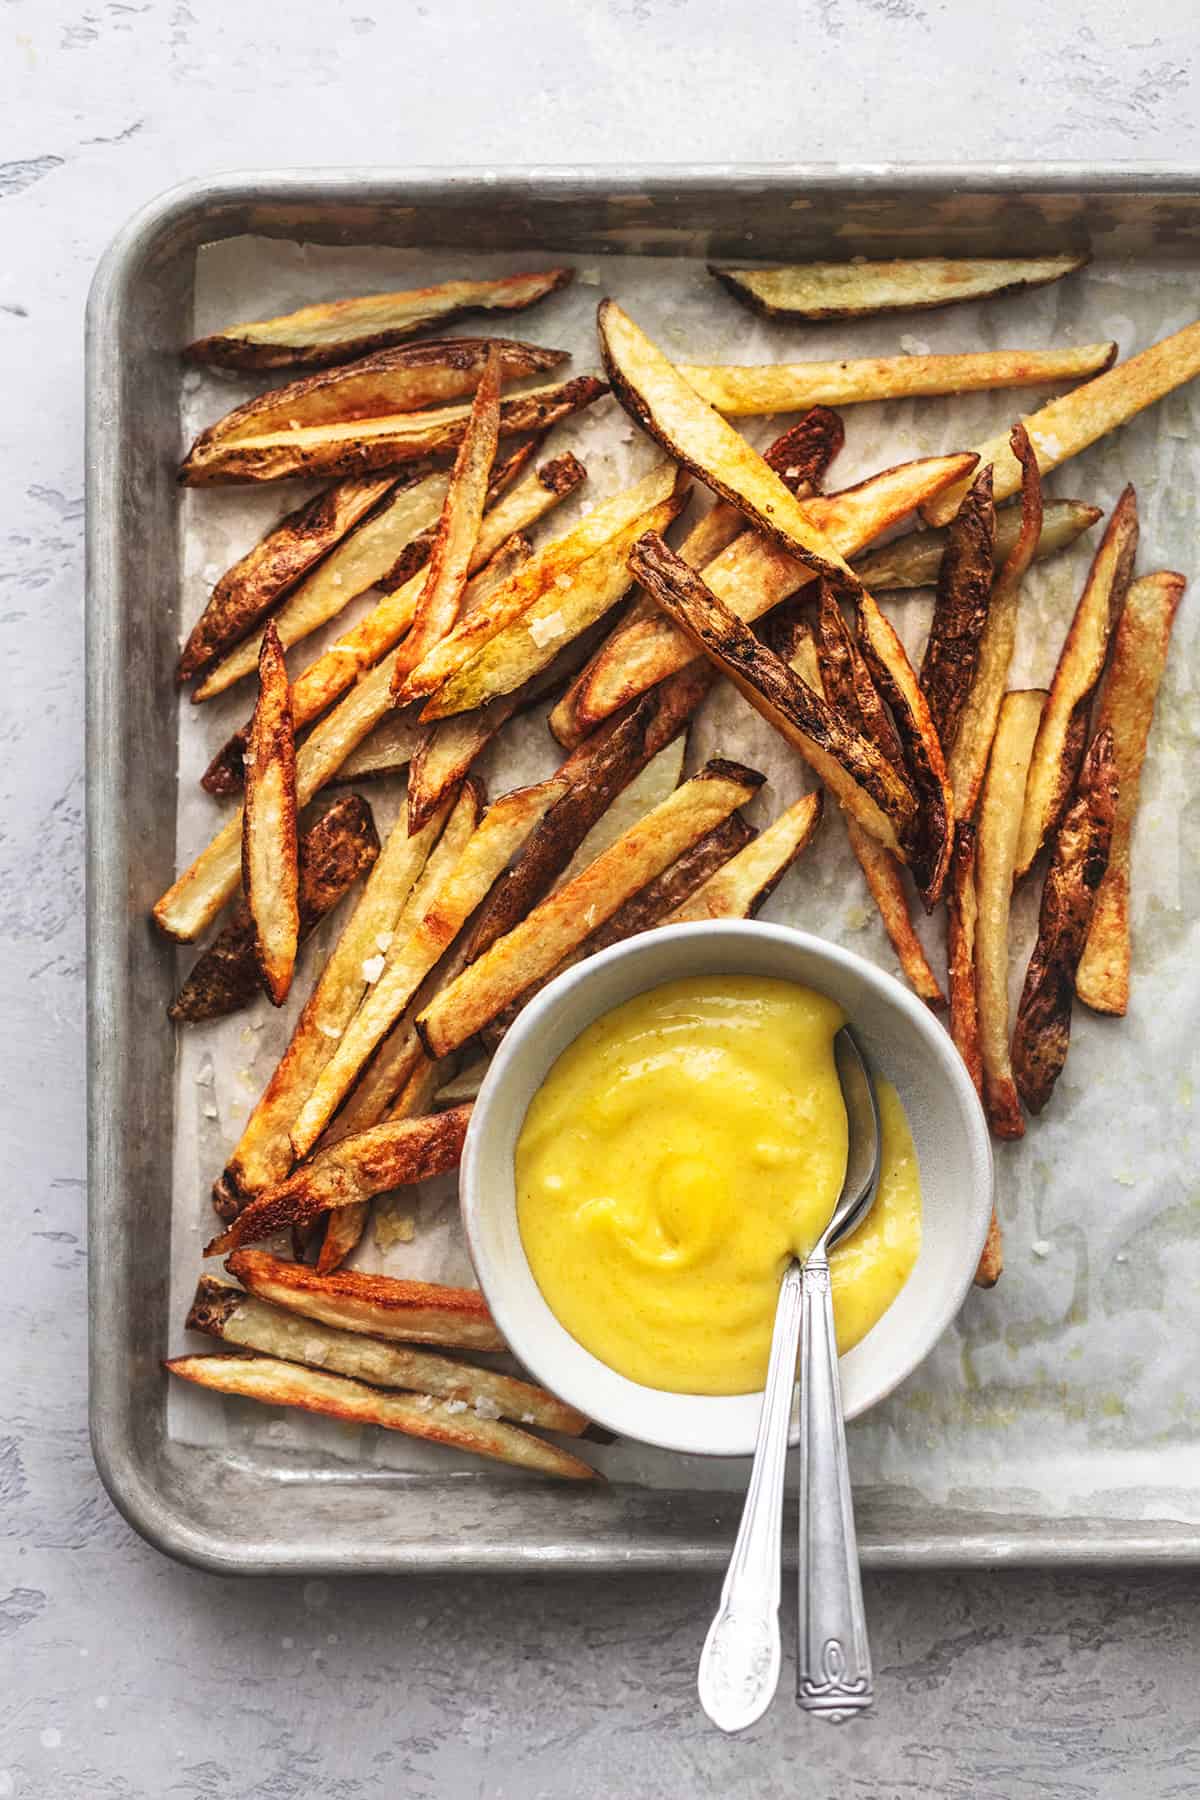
[(678, 1154)]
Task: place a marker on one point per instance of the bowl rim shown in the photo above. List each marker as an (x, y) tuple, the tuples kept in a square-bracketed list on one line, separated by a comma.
[(507, 1060)]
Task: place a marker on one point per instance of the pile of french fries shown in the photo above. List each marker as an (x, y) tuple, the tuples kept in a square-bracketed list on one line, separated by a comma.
[(952, 787)]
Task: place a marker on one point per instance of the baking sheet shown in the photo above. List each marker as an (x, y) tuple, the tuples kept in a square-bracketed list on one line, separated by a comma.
[(1066, 1389)]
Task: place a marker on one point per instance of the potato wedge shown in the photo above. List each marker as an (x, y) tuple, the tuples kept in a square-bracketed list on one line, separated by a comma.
[(859, 290), (1069, 424), (450, 900), (848, 764), (747, 880), (800, 457), (1126, 708), (960, 608), (548, 934), (270, 848), (744, 391), (962, 913), (847, 682), (751, 577), (914, 561), (389, 750), (1062, 735), (395, 1154), (358, 446), (995, 866), (658, 399), (334, 331), (240, 1320), (334, 852), (412, 1312), (260, 579), (662, 899)]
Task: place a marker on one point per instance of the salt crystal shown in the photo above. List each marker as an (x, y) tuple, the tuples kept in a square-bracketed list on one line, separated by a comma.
[(204, 1074), (210, 1111), (1041, 1248), (373, 968), (589, 277), (914, 346), (384, 939), (455, 1406), (329, 1031), (527, 1418), (544, 631), (486, 1408)]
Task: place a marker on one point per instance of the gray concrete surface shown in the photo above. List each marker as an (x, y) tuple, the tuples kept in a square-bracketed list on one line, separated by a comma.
[(123, 1676)]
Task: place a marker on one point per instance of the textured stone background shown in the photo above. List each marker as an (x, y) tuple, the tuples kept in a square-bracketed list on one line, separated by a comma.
[(125, 1676)]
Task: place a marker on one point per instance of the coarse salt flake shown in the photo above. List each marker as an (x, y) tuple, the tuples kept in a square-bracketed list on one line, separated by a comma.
[(1041, 1247), (372, 968), (204, 1074), (455, 1406), (913, 346), (329, 1031), (486, 1407), (1046, 441), (544, 631), (588, 277), (527, 1418), (210, 1111), (384, 939)]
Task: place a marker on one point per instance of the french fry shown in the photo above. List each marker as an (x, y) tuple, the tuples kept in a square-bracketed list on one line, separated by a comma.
[(914, 561), (451, 899), (336, 330), (1077, 864), (414, 1312), (1069, 424), (358, 446), (859, 290), (238, 1319), (270, 873), (261, 578), (800, 457), (334, 852), (389, 749), (962, 912), (991, 1260), (746, 881), (395, 1154), (995, 865), (465, 1085), (1062, 735), (548, 934), (661, 899), (747, 390), (847, 682), (960, 608), (278, 1383), (458, 529), (751, 577), (263, 1155), (1126, 708), (967, 756), (849, 765), (658, 399)]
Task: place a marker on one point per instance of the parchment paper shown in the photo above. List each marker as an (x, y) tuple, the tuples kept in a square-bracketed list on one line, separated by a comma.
[(1070, 1388)]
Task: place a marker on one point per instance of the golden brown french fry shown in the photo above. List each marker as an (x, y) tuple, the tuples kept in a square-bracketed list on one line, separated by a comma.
[(389, 749), (1069, 424), (751, 577), (395, 1154), (1062, 735), (663, 899), (270, 872), (458, 530), (856, 290), (414, 1312), (335, 850), (278, 1383), (451, 899), (914, 561), (357, 446), (849, 765), (960, 608), (658, 399), (1126, 708), (258, 580), (991, 1261), (995, 865), (1078, 861), (746, 881), (333, 331), (238, 1319), (548, 934), (742, 391), (847, 682), (962, 912)]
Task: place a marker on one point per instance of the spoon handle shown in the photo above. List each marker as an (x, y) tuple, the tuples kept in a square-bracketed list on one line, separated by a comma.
[(833, 1669), (739, 1665)]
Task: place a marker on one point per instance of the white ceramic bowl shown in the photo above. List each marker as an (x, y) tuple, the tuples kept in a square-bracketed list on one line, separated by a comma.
[(904, 1041)]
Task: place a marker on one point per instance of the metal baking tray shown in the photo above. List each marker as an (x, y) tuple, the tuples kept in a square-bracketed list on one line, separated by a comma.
[(265, 1513)]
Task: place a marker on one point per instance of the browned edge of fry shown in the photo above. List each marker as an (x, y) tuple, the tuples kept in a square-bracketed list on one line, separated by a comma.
[(991, 1261), (270, 848), (960, 948), (848, 681), (960, 608), (357, 1301)]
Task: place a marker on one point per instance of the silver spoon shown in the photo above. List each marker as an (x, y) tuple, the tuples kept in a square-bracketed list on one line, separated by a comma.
[(739, 1665)]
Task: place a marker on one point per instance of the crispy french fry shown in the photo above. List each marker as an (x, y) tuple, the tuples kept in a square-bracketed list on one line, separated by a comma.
[(1126, 708), (391, 1155), (1062, 734), (258, 580), (914, 561), (278, 1383), (855, 290), (389, 749), (238, 1319), (334, 852), (663, 898), (960, 609), (747, 880), (751, 577), (1078, 861), (414, 1312), (333, 331), (800, 457), (547, 935), (746, 390), (357, 446), (995, 864), (658, 399), (1069, 424), (847, 682), (991, 1261), (846, 761), (451, 899), (962, 912), (270, 871)]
